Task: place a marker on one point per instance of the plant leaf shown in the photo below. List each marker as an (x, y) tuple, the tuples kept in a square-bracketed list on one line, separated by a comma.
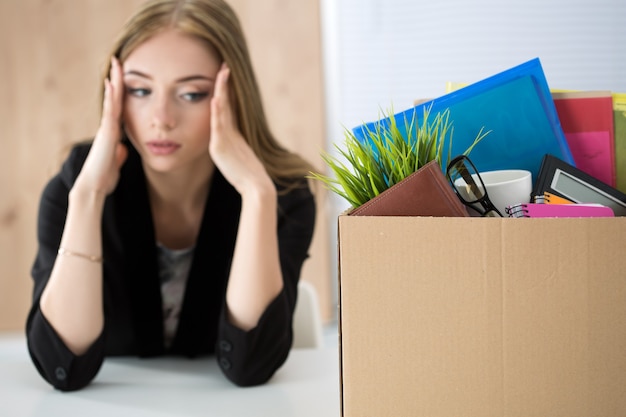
[(389, 153)]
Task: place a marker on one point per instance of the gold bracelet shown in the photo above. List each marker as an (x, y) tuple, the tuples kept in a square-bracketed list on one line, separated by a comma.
[(63, 251)]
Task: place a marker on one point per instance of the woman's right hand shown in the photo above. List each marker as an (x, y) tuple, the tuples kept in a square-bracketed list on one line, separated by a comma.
[(101, 170)]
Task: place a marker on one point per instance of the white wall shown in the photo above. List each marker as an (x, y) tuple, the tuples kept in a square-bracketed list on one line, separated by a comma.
[(383, 52), (395, 51)]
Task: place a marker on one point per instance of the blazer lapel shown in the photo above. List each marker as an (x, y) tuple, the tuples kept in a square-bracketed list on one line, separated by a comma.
[(140, 256)]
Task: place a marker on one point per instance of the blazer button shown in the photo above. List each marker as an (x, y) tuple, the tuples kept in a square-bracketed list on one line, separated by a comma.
[(60, 374), (226, 346), (225, 364)]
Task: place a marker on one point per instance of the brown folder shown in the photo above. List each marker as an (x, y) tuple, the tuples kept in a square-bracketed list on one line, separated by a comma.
[(426, 192)]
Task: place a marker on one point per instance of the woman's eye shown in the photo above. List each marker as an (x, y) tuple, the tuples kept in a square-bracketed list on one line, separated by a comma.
[(194, 96), (138, 92)]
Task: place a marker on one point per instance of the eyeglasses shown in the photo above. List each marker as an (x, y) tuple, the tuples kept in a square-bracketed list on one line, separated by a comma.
[(469, 187)]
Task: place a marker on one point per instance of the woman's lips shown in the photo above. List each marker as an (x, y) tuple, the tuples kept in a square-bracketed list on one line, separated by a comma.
[(162, 147)]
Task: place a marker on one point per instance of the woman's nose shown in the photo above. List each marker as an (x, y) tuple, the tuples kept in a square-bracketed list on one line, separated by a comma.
[(163, 114)]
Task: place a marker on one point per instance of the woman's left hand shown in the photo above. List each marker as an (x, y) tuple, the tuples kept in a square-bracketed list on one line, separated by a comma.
[(228, 149), (255, 275)]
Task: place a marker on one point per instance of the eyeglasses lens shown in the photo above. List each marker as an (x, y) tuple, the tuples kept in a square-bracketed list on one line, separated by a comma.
[(467, 182)]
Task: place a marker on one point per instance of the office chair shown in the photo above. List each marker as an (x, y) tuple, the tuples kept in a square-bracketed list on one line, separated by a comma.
[(307, 320)]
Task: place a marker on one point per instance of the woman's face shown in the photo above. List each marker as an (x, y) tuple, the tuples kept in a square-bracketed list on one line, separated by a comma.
[(169, 82)]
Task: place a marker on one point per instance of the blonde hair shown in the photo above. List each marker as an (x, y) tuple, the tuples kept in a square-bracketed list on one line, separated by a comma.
[(215, 23)]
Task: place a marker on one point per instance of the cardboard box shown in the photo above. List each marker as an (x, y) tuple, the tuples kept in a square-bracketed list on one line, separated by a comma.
[(482, 317)]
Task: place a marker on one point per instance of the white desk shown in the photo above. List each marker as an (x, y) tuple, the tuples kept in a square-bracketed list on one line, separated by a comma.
[(307, 385)]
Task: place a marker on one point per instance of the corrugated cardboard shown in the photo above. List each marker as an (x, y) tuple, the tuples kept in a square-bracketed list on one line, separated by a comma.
[(482, 317)]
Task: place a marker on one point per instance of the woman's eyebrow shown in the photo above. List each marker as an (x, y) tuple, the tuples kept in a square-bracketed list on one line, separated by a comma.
[(194, 78), (180, 80)]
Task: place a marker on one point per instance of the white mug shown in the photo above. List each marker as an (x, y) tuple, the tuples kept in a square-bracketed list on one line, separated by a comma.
[(507, 187)]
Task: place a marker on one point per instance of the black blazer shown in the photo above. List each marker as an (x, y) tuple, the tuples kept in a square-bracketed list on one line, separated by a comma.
[(132, 294)]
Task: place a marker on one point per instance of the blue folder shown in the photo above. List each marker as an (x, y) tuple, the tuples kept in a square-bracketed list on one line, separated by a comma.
[(515, 105)]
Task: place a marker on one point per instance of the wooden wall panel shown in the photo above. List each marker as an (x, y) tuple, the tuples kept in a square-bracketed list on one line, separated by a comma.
[(53, 52)]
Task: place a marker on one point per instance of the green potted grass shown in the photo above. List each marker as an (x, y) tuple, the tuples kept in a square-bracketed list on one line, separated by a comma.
[(389, 154)]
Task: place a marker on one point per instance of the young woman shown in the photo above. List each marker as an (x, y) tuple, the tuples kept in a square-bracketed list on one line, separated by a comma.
[(183, 226)]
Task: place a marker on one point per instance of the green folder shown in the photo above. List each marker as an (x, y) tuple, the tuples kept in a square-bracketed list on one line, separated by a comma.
[(619, 120)]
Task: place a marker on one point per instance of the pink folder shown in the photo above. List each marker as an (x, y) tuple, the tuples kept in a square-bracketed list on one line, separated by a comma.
[(559, 210), (587, 120)]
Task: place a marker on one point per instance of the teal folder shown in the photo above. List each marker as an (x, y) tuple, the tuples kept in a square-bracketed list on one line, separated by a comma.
[(515, 106)]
